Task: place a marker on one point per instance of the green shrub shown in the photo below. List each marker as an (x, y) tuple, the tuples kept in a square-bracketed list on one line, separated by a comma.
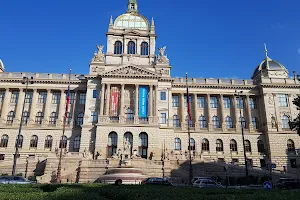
[(19, 174), (4, 174)]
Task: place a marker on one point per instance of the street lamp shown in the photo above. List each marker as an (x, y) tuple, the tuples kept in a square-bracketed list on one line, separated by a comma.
[(238, 95), (25, 81)]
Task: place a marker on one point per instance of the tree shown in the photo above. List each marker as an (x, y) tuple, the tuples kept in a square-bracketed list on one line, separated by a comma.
[(295, 124)]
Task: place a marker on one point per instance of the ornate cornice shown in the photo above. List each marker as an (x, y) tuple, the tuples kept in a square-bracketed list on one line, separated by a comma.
[(294, 86), (183, 85)]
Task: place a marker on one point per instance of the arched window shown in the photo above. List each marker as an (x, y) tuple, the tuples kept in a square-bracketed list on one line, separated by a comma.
[(202, 121), (176, 121), (260, 146), (129, 115), (285, 122), (53, 118), (290, 146), (63, 142), (131, 47), (205, 145), (144, 49), (255, 123), (112, 144), (25, 117), (215, 122), (177, 144), (4, 141), (219, 145), (34, 141), (48, 142), (193, 145), (143, 145), (39, 118), (76, 144), (19, 141), (233, 145), (188, 122), (228, 122), (242, 121), (247, 146), (10, 117), (118, 48), (80, 119)]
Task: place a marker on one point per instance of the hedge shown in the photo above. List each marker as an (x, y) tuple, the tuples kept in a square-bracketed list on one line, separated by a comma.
[(141, 192)]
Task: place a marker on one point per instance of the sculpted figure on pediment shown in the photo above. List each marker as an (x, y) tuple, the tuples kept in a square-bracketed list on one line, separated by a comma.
[(129, 71), (162, 58), (98, 56)]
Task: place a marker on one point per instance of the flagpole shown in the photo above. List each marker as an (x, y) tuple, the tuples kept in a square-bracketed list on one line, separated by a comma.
[(58, 175), (188, 128)]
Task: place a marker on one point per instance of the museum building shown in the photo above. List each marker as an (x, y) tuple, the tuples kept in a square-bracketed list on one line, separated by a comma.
[(129, 95)]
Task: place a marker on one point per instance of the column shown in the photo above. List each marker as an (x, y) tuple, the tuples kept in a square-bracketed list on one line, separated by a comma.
[(122, 114), (33, 106), (156, 102), (136, 108), (47, 107), (4, 111), (170, 106), (208, 117), (61, 111), (19, 106), (182, 113), (277, 113), (101, 113), (151, 101), (221, 103), (107, 100), (74, 107), (249, 116), (196, 114), (236, 113)]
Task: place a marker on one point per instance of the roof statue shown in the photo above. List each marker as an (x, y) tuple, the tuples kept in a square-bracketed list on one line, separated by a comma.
[(162, 58), (99, 56), (1, 66), (266, 50)]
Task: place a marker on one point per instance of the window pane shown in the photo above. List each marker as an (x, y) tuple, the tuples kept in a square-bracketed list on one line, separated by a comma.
[(163, 96), (175, 101), (200, 102), (213, 102)]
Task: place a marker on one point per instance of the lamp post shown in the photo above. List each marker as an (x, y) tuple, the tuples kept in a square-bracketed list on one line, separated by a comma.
[(25, 81), (238, 95)]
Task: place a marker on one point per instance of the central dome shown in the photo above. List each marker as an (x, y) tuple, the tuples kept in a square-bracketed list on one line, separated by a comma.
[(131, 21)]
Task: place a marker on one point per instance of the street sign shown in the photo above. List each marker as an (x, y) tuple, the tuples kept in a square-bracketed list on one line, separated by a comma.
[(267, 185), (273, 165)]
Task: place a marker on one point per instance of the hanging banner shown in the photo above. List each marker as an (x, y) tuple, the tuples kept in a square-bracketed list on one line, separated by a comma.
[(143, 101), (114, 101)]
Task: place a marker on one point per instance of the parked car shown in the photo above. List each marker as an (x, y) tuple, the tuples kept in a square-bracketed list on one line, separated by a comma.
[(207, 183), (198, 178), (287, 183), (14, 180), (156, 181)]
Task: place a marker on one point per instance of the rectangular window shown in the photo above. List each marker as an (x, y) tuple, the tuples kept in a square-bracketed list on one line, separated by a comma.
[(14, 97), (240, 103), (163, 96), (56, 98), (282, 100), (94, 117), (95, 94), (213, 102), (185, 101), (252, 103), (82, 97), (2, 95), (72, 97), (226, 102), (201, 102), (42, 97), (175, 101), (163, 118), (28, 97)]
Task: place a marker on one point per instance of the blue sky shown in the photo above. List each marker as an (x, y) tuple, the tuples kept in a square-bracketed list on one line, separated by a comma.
[(205, 38)]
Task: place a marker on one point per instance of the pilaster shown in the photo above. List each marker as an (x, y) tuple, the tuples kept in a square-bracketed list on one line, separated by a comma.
[(4, 112), (47, 107), (33, 107), (107, 100), (19, 113)]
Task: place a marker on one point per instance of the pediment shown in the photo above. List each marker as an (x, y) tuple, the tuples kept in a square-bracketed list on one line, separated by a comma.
[(132, 71)]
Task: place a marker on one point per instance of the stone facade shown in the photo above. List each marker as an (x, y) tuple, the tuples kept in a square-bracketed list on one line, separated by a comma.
[(104, 107)]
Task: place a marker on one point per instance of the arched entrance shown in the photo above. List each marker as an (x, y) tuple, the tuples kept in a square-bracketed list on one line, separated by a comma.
[(112, 144), (143, 145)]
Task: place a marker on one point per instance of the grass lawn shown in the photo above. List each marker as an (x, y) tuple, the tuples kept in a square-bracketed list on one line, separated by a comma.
[(96, 191)]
